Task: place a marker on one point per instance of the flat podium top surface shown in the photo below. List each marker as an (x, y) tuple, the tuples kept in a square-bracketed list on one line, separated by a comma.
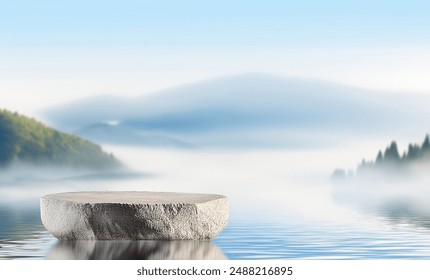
[(133, 197)]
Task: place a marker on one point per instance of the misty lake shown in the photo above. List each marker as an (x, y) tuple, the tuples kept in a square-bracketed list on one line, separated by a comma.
[(282, 206)]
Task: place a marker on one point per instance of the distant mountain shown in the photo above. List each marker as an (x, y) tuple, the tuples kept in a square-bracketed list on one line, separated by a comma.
[(25, 140), (254, 109), (391, 163), (109, 133)]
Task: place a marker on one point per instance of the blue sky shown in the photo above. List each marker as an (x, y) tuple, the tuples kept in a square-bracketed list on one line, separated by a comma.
[(56, 51), (213, 22)]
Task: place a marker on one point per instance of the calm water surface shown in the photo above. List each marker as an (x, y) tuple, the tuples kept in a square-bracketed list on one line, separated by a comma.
[(23, 237), (279, 210)]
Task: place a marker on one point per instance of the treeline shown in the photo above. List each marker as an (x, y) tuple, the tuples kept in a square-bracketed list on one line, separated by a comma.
[(391, 161), (26, 140)]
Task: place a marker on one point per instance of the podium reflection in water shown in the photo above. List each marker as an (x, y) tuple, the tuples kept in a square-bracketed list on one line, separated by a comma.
[(135, 250)]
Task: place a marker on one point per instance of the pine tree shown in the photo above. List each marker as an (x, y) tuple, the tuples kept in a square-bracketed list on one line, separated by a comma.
[(426, 144), (379, 158), (392, 153), (413, 152)]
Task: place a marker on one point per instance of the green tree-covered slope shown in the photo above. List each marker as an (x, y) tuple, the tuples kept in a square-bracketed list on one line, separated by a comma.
[(23, 139)]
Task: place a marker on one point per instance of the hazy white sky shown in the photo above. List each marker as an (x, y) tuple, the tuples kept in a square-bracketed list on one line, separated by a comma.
[(52, 52)]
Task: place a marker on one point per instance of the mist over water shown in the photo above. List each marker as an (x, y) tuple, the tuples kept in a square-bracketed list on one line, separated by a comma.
[(282, 206)]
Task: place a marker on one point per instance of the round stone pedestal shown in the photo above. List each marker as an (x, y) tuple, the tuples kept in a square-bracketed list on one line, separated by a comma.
[(134, 215)]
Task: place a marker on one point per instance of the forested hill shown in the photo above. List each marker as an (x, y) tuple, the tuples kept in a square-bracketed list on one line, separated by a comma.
[(26, 140), (391, 163)]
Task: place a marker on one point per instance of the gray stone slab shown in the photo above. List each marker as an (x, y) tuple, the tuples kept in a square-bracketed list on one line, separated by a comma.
[(134, 215)]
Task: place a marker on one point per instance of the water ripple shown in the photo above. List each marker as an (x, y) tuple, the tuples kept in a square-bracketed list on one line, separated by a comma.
[(242, 240), (22, 237)]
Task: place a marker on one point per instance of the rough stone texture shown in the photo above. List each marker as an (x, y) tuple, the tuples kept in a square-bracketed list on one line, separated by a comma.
[(134, 215), (135, 250)]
